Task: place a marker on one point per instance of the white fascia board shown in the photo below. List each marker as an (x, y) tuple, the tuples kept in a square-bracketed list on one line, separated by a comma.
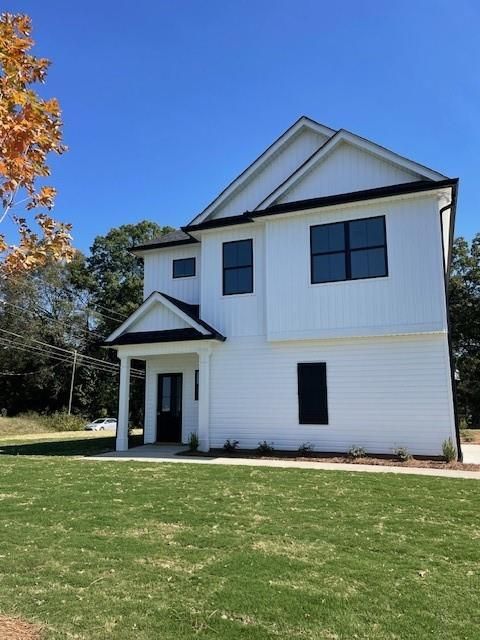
[(145, 351), (366, 145), (246, 175), (153, 299)]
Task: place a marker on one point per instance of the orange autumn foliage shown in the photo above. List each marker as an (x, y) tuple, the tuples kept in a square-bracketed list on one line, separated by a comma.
[(30, 129)]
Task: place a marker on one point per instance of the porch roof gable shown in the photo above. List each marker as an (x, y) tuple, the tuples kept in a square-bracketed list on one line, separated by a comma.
[(188, 314)]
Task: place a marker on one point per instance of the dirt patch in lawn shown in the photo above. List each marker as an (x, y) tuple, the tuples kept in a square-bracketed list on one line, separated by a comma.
[(17, 629), (382, 460)]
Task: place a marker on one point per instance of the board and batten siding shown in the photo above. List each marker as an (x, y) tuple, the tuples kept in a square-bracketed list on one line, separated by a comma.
[(280, 167), (233, 315), (410, 299), (382, 393), (345, 169), (159, 318), (175, 363), (158, 273)]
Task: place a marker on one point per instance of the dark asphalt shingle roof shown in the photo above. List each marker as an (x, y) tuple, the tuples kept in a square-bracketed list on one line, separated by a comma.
[(177, 237)]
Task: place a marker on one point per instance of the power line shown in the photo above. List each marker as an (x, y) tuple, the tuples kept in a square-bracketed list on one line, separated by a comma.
[(121, 317), (88, 332), (31, 373), (63, 360), (63, 350), (59, 351)]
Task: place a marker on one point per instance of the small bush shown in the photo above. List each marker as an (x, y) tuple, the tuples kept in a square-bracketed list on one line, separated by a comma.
[(230, 445), (402, 453), (265, 447), (356, 452), (467, 435), (193, 441), (306, 449), (449, 450), (62, 421)]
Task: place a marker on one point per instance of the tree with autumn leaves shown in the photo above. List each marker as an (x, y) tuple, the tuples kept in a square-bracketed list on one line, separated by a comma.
[(30, 129)]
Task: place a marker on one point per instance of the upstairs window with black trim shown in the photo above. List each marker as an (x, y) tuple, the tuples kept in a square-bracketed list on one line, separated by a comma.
[(184, 268), (312, 393), (350, 250), (237, 267)]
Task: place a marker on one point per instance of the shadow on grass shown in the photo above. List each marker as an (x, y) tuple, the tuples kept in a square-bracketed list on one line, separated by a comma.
[(80, 447)]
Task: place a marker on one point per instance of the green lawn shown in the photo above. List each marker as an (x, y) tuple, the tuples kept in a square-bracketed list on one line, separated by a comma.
[(120, 550)]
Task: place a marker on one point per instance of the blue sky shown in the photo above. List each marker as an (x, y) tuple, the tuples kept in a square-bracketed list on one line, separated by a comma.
[(165, 102)]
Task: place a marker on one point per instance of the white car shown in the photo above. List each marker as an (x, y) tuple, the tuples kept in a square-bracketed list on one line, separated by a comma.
[(101, 423)]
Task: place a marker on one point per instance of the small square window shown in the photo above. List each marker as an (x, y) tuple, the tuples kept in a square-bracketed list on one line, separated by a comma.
[(184, 268)]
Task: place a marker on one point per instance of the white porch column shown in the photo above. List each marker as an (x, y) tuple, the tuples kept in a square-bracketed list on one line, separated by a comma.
[(204, 399), (123, 404)]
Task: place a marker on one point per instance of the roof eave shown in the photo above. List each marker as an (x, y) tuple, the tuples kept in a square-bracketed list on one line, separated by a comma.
[(162, 245)]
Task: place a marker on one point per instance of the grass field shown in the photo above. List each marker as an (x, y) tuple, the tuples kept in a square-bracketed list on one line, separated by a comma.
[(95, 550)]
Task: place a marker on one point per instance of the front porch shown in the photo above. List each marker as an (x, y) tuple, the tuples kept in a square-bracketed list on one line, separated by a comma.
[(177, 393), (176, 345)]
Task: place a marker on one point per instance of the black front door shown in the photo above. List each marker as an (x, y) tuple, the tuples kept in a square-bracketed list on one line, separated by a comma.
[(169, 407)]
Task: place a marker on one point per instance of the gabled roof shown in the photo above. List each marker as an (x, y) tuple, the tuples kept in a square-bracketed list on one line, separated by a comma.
[(261, 161), (391, 191), (343, 135), (188, 313)]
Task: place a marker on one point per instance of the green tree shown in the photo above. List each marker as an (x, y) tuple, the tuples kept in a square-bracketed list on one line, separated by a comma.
[(116, 275), (42, 306), (464, 304)]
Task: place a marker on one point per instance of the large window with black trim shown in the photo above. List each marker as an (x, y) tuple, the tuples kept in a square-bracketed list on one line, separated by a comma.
[(237, 267), (350, 250), (184, 268), (312, 393)]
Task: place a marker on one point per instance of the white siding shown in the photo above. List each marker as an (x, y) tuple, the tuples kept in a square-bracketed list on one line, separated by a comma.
[(280, 167), (382, 393), (345, 169), (411, 299), (237, 315), (158, 276), (178, 363), (159, 318)]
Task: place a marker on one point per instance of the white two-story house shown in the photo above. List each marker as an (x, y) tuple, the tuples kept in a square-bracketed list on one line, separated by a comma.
[(305, 304)]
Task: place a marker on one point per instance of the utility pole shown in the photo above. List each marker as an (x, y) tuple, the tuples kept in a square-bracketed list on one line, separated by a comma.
[(71, 382)]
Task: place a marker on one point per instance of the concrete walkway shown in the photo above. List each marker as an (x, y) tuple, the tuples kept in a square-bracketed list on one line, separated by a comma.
[(471, 453), (168, 453)]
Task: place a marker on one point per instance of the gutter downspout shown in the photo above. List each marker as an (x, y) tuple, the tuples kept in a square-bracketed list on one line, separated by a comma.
[(453, 208)]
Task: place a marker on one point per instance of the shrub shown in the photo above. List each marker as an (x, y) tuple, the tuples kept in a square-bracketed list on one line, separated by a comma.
[(402, 453), (306, 449), (62, 421), (265, 447), (449, 450), (467, 435), (193, 441), (357, 452), (230, 445)]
